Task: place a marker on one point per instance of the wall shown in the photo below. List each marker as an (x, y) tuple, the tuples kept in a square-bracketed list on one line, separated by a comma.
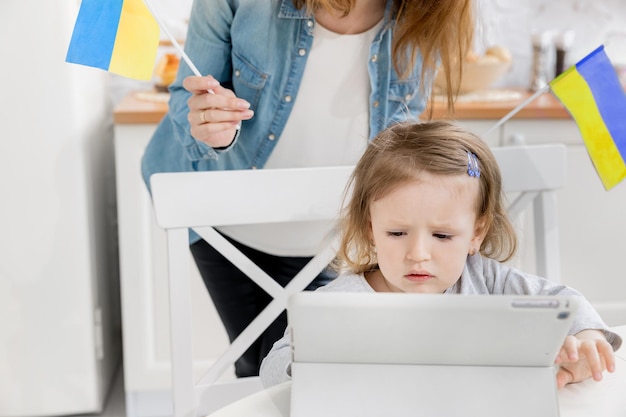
[(58, 254), (512, 22)]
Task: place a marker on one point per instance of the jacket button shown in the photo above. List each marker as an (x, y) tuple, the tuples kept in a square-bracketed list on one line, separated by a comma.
[(376, 103), (271, 136), (374, 58), (237, 73), (302, 52), (288, 99), (309, 23)]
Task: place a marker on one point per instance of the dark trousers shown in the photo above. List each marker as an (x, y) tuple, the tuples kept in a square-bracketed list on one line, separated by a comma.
[(238, 300)]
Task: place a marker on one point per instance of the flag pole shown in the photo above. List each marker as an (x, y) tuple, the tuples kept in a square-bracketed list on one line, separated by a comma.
[(172, 39), (180, 50), (513, 112)]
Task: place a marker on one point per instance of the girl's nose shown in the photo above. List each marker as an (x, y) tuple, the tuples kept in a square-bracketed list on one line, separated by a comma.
[(419, 250)]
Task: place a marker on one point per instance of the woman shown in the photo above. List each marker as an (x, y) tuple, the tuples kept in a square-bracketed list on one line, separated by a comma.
[(295, 83)]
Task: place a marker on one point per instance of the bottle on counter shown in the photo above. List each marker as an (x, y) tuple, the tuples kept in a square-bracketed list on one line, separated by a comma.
[(542, 43), (563, 42)]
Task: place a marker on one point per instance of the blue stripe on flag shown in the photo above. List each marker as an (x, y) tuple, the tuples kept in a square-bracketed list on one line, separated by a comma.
[(94, 33), (608, 94)]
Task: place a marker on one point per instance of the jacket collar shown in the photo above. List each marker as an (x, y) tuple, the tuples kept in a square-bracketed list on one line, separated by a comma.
[(288, 11)]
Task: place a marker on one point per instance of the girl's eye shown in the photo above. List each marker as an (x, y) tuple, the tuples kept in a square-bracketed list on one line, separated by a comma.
[(442, 236), (395, 234)]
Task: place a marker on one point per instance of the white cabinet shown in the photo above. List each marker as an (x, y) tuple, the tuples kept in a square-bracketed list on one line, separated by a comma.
[(592, 221), (60, 346), (144, 289)]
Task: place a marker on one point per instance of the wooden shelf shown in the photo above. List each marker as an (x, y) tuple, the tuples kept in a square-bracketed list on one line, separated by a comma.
[(545, 106), (133, 109)]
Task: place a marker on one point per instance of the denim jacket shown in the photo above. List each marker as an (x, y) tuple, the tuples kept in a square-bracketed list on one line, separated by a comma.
[(259, 49)]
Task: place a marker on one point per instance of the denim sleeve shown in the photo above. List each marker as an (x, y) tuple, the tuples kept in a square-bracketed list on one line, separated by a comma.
[(208, 46)]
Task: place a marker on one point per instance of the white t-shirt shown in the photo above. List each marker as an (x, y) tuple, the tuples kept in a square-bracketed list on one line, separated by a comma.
[(328, 126)]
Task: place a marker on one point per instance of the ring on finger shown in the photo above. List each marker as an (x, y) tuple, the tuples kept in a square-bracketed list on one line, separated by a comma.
[(202, 117)]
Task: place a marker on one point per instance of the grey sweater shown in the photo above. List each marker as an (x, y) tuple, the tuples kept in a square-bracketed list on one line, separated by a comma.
[(480, 276)]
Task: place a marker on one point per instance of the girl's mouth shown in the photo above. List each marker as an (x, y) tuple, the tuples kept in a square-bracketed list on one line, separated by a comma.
[(418, 276)]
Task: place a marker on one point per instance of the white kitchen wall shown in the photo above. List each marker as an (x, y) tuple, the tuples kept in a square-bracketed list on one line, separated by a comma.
[(511, 23), (60, 342)]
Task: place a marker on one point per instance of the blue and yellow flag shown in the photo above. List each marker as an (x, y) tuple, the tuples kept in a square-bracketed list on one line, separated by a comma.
[(592, 93), (120, 36)]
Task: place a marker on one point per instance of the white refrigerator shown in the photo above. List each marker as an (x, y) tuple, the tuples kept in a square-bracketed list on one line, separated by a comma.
[(60, 342)]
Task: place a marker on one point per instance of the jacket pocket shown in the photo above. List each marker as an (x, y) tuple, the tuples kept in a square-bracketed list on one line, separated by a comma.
[(248, 81)]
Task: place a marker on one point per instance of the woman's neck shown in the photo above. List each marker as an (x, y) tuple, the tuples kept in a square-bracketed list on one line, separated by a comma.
[(364, 16)]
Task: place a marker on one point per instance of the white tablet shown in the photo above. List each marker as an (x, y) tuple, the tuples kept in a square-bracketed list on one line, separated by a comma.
[(435, 329), (407, 355)]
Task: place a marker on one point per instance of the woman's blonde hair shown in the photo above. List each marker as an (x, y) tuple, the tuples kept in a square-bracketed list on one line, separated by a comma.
[(399, 155), (441, 31)]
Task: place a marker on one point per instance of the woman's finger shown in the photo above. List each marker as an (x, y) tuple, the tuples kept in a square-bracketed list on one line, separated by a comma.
[(200, 85), (214, 115)]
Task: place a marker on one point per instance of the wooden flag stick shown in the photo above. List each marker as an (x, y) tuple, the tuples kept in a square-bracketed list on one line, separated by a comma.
[(513, 112)]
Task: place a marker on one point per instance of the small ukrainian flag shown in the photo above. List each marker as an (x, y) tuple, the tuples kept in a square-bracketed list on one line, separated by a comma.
[(592, 93), (120, 36)]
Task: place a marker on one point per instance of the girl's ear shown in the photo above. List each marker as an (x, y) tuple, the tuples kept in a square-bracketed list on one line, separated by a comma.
[(480, 231)]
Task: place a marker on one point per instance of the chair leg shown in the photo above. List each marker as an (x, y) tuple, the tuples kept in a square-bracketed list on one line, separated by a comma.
[(180, 324), (547, 236)]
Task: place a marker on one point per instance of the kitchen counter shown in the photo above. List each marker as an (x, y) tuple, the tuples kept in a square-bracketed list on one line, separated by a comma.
[(471, 107), (146, 107), (140, 107)]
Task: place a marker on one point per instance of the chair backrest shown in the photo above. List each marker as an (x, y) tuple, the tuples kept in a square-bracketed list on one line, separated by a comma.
[(202, 200)]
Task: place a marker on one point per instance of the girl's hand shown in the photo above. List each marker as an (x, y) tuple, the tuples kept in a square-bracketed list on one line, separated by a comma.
[(588, 354), (214, 117)]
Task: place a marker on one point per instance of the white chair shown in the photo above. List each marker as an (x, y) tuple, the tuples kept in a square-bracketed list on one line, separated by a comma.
[(201, 200), (205, 199)]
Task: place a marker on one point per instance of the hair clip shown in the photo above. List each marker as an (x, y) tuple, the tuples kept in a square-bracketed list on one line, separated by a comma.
[(472, 165)]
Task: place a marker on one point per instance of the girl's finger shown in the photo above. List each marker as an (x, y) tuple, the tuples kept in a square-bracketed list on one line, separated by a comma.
[(607, 355), (590, 350), (570, 346)]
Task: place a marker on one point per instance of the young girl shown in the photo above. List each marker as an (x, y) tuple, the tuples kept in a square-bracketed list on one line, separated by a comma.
[(426, 215)]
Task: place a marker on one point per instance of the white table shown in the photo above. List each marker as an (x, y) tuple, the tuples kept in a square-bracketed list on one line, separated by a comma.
[(584, 399)]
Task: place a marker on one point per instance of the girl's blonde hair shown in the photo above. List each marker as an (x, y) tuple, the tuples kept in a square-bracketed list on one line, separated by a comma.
[(399, 155), (441, 31)]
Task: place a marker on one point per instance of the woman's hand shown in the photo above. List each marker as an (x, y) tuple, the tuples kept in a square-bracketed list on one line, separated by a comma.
[(587, 354), (215, 113)]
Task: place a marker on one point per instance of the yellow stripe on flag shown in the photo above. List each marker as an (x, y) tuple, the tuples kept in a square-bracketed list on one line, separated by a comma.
[(136, 44), (574, 92)]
